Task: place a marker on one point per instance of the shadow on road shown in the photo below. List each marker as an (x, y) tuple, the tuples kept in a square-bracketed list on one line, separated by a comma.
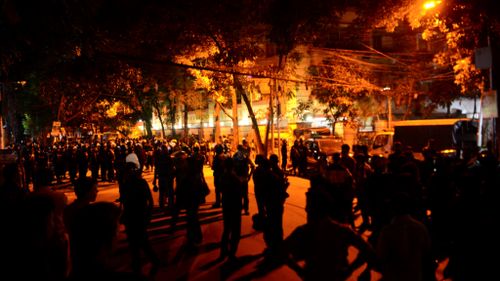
[(231, 266)]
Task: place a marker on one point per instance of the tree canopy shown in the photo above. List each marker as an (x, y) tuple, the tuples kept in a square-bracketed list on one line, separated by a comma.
[(81, 53)]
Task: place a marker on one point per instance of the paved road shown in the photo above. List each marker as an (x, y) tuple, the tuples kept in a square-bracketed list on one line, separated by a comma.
[(202, 264)]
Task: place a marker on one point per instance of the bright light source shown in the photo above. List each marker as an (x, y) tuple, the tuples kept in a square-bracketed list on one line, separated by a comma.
[(386, 89), (429, 5)]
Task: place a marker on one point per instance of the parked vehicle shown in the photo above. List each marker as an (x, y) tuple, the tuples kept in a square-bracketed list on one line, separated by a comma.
[(321, 148), (450, 136)]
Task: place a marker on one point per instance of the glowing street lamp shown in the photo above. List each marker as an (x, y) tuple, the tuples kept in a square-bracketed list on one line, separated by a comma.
[(429, 5)]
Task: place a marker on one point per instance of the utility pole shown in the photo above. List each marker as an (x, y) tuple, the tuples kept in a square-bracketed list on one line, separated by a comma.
[(2, 141), (278, 113), (2, 133), (483, 60)]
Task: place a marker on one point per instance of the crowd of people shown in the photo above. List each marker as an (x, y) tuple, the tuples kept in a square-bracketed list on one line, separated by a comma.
[(414, 212)]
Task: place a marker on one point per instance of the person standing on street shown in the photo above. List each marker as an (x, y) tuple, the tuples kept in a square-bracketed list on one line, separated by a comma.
[(244, 168), (232, 190), (284, 155), (164, 173), (218, 168), (323, 244), (137, 208)]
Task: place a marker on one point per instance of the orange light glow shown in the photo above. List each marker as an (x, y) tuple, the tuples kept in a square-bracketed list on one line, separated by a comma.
[(429, 5)]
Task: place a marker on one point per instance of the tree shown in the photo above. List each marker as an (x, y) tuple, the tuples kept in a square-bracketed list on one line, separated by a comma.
[(303, 108)]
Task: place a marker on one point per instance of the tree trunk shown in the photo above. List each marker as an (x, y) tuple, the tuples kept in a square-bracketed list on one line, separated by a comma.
[(172, 112), (269, 121), (261, 148), (217, 135), (149, 131), (158, 112), (408, 109), (271, 99), (236, 131), (185, 120)]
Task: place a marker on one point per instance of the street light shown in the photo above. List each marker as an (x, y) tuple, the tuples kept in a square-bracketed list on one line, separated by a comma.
[(429, 5), (389, 107)]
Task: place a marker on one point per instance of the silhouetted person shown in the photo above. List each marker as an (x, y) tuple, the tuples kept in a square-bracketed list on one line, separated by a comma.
[(137, 206), (86, 193), (295, 157), (259, 183), (59, 201), (361, 174), (189, 177), (164, 173), (92, 235), (11, 193), (339, 182), (218, 168), (284, 155), (404, 245), (474, 214), (232, 193), (346, 160), (396, 158), (11, 203), (302, 149), (41, 251), (274, 203), (323, 243), (244, 168)]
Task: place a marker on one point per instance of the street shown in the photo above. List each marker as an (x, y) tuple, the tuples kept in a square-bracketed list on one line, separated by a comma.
[(180, 264)]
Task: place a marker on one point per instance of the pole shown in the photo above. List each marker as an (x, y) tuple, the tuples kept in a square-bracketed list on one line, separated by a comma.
[(273, 89), (493, 119), (481, 118), (2, 141), (278, 112), (389, 112)]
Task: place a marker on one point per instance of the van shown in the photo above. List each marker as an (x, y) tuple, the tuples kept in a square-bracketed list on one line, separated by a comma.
[(450, 136), (321, 148)]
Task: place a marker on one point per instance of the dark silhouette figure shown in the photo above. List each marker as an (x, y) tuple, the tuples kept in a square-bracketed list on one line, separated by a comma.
[(284, 155), (404, 245), (86, 193), (323, 243), (189, 185), (11, 193), (244, 168), (164, 174), (232, 192), (295, 157), (92, 234), (259, 183), (218, 168), (40, 249), (346, 160), (137, 206), (302, 158), (274, 197), (339, 182)]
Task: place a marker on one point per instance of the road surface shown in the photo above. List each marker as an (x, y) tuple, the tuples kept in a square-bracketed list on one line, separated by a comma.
[(201, 264)]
